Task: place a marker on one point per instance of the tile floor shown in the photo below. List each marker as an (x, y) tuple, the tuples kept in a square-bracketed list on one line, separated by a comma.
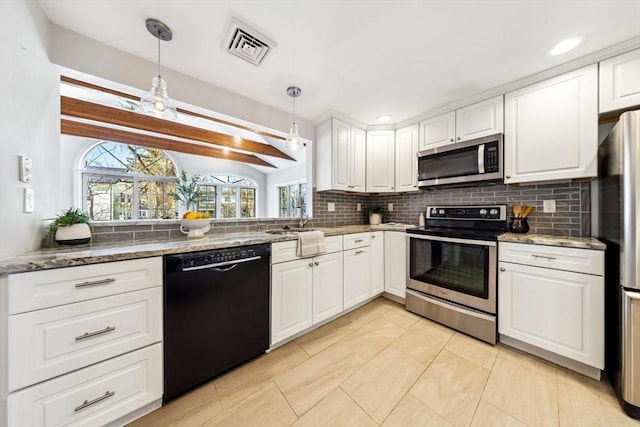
[(383, 366)]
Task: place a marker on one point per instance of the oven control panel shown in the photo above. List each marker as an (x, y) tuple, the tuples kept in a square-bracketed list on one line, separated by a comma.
[(494, 212)]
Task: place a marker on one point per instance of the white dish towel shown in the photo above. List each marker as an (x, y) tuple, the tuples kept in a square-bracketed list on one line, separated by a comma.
[(311, 243)]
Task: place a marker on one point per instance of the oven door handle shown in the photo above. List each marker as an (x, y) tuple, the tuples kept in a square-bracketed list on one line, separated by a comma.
[(453, 240)]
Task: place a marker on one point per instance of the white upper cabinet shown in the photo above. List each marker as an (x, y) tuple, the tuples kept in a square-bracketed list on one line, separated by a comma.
[(340, 156), (438, 131), (551, 129), (620, 82), (475, 121), (481, 119), (381, 151), (406, 159)]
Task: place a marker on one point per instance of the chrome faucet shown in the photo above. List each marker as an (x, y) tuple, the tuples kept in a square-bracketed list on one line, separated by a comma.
[(303, 220)]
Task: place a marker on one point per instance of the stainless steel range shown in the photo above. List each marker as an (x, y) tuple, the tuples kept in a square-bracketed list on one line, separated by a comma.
[(451, 268)]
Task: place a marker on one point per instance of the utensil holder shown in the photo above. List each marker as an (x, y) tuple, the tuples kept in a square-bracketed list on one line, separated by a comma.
[(518, 225)]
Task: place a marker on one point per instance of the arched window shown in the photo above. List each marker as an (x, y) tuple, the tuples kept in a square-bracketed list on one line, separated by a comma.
[(228, 196), (122, 181)]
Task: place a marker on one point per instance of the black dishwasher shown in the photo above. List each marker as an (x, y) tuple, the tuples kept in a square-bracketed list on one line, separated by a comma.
[(216, 313)]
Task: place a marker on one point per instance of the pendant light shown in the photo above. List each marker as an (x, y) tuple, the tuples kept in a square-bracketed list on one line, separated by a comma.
[(293, 139), (156, 102)]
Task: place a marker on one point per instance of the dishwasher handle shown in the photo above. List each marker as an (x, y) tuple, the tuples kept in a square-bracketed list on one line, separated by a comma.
[(217, 265)]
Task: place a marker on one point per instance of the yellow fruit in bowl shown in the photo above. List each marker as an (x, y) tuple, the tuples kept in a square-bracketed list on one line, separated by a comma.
[(192, 215), (206, 215), (184, 215), (198, 215)]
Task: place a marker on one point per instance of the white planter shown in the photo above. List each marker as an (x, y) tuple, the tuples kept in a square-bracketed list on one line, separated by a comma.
[(375, 219), (76, 234)]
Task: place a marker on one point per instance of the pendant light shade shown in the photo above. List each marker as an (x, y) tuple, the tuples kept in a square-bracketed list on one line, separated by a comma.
[(156, 102), (293, 139)]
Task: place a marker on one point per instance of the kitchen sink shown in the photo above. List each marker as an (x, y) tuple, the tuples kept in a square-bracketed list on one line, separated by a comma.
[(289, 230)]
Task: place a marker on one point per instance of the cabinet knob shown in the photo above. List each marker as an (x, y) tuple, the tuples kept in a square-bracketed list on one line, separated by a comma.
[(451, 140), (508, 176), (316, 263), (503, 269), (390, 188), (310, 264), (459, 138)]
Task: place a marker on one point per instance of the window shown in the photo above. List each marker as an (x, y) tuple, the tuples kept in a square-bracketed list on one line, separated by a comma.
[(122, 181), (228, 196), (292, 198)]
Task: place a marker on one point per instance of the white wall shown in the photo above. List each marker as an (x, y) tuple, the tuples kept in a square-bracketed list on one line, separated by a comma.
[(29, 124)]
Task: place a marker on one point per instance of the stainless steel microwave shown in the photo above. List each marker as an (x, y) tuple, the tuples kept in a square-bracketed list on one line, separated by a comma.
[(463, 163)]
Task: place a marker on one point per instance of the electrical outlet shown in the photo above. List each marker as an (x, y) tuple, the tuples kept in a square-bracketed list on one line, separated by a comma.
[(331, 207), (359, 207), (28, 200), (549, 206), (390, 207)]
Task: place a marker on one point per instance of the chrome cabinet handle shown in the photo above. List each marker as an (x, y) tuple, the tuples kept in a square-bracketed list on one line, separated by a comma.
[(93, 334), (550, 258), (88, 403), (373, 237), (459, 138), (503, 269), (508, 176), (310, 264), (359, 252), (316, 263), (358, 240), (451, 140), (95, 282)]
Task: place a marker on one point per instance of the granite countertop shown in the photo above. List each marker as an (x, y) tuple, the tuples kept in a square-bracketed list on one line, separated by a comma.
[(43, 259), (548, 240)]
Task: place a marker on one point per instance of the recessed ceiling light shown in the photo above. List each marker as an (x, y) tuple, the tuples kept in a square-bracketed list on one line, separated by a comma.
[(565, 46), (384, 118)]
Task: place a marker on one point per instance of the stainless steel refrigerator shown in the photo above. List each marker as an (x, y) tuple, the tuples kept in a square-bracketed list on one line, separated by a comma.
[(619, 227)]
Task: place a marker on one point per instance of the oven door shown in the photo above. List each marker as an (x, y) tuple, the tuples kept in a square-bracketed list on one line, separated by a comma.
[(458, 270)]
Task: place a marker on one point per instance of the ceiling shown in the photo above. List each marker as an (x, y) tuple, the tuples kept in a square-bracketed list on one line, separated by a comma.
[(360, 58)]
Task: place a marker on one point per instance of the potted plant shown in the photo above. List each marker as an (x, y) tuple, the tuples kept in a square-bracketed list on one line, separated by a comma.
[(187, 191), (71, 227), (375, 214)]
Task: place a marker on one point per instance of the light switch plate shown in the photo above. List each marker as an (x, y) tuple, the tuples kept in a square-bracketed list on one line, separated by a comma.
[(390, 207), (549, 206), (358, 207), (331, 207), (25, 165), (28, 200)]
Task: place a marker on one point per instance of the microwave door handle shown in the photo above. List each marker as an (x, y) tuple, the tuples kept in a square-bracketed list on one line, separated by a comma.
[(481, 158)]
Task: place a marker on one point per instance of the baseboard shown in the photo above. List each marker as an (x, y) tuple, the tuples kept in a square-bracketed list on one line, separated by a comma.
[(579, 367)]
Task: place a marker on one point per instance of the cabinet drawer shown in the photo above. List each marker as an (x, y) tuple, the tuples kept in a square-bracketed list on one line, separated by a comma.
[(286, 251), (559, 258), (92, 396), (356, 240), (51, 342), (43, 289)]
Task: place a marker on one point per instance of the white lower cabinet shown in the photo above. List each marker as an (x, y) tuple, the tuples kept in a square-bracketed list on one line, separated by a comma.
[(327, 286), (84, 344), (377, 262), (291, 298), (304, 291), (559, 311), (395, 265), (357, 275), (93, 396)]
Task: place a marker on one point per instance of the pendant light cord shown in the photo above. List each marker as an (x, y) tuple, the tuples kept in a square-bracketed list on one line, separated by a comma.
[(158, 53)]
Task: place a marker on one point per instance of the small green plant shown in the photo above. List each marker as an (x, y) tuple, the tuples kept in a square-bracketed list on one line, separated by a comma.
[(187, 190), (65, 219), (71, 216), (374, 209)]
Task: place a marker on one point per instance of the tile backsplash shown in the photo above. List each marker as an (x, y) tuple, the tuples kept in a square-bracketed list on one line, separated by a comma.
[(572, 217)]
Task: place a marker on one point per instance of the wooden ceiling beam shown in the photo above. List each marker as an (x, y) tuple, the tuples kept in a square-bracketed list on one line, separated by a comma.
[(99, 88), (101, 113), (70, 127)]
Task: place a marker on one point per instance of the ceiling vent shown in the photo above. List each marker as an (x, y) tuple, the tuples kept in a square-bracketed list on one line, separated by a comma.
[(247, 43)]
